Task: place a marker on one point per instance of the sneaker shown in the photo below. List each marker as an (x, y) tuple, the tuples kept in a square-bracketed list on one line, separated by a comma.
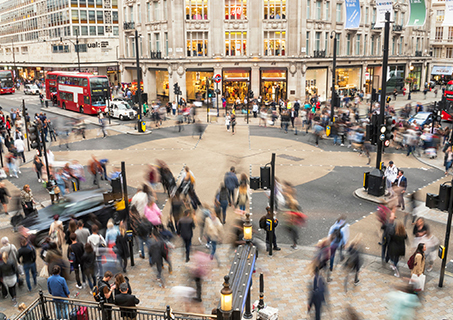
[(397, 274), (277, 249), (199, 240), (356, 282), (39, 180), (79, 287), (294, 247), (15, 302), (430, 269), (393, 267)]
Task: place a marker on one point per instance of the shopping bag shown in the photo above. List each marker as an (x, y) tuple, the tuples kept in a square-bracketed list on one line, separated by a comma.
[(418, 282), (44, 272)]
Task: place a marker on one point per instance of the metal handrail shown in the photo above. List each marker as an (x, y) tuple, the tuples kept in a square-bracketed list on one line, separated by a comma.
[(30, 306)]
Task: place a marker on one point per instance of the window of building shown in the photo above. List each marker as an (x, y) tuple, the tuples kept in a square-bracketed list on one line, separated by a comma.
[(100, 30), (114, 4), (157, 42), (308, 9), (115, 16), (92, 16), (449, 53), (274, 43), (197, 44), (82, 3), (75, 16), (394, 45), (100, 16), (98, 3), (131, 14), (365, 44), (327, 16), (450, 34), (440, 14), (400, 46), (83, 16), (437, 52), (274, 9), (92, 30), (90, 3), (60, 49), (378, 46), (307, 42), (339, 12), (348, 44), (24, 50), (132, 46), (338, 36), (148, 11), (156, 16), (140, 47), (326, 41), (235, 9), (75, 31), (126, 49), (74, 3), (318, 10), (196, 9), (373, 15), (235, 43), (357, 44), (166, 43), (84, 30), (81, 47), (150, 42), (318, 40), (438, 35), (373, 38), (139, 14), (116, 30), (403, 18), (164, 10)]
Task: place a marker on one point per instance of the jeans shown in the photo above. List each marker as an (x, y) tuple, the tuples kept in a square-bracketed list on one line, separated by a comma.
[(30, 267), (242, 207), (188, 243), (335, 139), (333, 249), (285, 126), (90, 277), (61, 308), (224, 206), (62, 189), (213, 248), (141, 243), (231, 196), (77, 275)]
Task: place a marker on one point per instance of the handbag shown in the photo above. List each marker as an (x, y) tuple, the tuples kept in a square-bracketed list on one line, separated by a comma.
[(418, 282), (56, 190), (44, 273)]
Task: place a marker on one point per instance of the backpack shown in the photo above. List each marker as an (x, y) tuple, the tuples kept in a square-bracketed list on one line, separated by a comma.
[(338, 236), (263, 222), (96, 293), (411, 261)]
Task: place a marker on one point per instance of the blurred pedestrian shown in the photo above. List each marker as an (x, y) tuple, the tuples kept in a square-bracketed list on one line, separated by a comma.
[(8, 273), (185, 226), (27, 201), (198, 271), (354, 261), (75, 254), (82, 232), (214, 233), (111, 234), (397, 246), (37, 167), (97, 241), (293, 219), (222, 200), (317, 293), (89, 265), (27, 257), (122, 247), (388, 228), (4, 197), (403, 303), (401, 185), (153, 213), (156, 254), (56, 232), (231, 183), (339, 234), (242, 196)]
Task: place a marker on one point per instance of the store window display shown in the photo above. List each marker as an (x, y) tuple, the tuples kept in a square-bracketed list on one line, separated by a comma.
[(196, 9), (235, 9), (348, 80), (235, 43), (274, 43), (274, 9), (197, 44), (196, 84), (236, 85)]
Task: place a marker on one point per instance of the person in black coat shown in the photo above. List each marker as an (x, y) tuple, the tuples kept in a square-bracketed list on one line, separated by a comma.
[(75, 254), (157, 253), (397, 246), (122, 247), (185, 228), (89, 265), (317, 295), (124, 299)]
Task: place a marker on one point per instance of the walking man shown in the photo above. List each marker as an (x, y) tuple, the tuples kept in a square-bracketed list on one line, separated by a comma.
[(231, 183), (401, 190), (390, 173)]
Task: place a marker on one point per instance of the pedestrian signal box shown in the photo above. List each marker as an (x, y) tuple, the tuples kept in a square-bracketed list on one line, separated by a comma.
[(441, 252)]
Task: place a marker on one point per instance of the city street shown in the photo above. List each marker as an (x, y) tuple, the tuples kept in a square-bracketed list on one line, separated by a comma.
[(325, 179)]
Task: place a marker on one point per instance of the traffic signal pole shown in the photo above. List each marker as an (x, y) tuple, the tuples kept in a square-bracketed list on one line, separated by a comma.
[(126, 208), (139, 89), (26, 124), (271, 203), (383, 86), (334, 66), (447, 239)]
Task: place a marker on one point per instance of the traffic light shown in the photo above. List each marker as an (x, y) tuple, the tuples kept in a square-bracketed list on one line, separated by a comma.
[(210, 93), (388, 135), (371, 130), (374, 95), (176, 88), (388, 99), (33, 134), (251, 95)]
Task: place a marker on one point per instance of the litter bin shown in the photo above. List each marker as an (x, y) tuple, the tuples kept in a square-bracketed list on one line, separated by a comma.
[(376, 183), (47, 103)]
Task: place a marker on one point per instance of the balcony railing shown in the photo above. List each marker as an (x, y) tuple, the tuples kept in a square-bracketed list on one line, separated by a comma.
[(373, 26), (418, 53), (319, 53), (397, 27), (128, 25)]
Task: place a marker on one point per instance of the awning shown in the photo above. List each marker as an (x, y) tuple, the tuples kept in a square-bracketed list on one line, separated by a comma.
[(442, 70)]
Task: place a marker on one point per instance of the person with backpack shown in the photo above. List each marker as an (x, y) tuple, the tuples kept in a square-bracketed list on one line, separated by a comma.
[(231, 183), (317, 294), (417, 265), (339, 235), (264, 224), (397, 246), (75, 254), (27, 256), (97, 241), (105, 293)]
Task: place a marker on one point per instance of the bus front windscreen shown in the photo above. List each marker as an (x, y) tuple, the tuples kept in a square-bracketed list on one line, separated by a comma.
[(449, 87), (99, 86), (6, 79)]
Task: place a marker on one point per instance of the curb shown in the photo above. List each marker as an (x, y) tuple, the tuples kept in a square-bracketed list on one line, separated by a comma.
[(429, 164), (362, 194), (136, 133)]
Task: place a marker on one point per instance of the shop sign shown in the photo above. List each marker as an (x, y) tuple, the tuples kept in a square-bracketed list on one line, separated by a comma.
[(448, 18), (102, 44), (382, 7), (417, 16), (156, 55)]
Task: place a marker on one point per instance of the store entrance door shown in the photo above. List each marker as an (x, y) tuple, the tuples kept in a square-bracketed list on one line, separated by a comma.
[(236, 84)]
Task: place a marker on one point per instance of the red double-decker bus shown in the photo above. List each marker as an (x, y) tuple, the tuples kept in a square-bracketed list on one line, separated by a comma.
[(449, 91), (6, 82), (77, 91)]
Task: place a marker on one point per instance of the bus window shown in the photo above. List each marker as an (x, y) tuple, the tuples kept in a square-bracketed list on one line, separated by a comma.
[(85, 83), (86, 99)]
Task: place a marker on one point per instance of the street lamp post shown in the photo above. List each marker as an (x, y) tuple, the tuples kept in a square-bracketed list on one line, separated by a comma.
[(383, 86), (411, 68), (77, 48), (334, 71), (226, 299), (139, 89)]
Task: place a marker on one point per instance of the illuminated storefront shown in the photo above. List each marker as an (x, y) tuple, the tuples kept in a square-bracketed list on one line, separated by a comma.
[(236, 84), (162, 85), (273, 84), (316, 83), (348, 80), (196, 84)]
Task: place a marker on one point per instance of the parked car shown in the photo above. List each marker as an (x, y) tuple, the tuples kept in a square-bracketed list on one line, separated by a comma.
[(421, 118), (128, 101), (31, 89), (121, 110), (78, 205)]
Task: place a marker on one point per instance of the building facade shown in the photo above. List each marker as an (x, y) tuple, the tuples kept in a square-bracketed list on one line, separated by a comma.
[(441, 40), (39, 36), (275, 48)]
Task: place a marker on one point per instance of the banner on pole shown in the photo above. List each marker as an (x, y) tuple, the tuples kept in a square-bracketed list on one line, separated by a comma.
[(417, 16), (448, 15), (382, 7), (352, 14)]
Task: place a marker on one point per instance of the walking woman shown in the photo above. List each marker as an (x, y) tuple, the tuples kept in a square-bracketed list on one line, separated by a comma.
[(4, 195), (122, 247), (222, 200), (26, 199), (89, 265), (417, 276), (37, 166), (8, 273), (233, 122), (242, 196), (397, 246), (53, 189)]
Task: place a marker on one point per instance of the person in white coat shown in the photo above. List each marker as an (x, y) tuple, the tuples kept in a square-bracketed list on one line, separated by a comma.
[(391, 172)]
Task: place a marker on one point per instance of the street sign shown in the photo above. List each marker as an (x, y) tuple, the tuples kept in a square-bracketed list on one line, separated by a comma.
[(217, 78), (382, 137)]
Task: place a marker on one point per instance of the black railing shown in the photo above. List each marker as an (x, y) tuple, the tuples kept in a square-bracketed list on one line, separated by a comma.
[(397, 27), (128, 25), (319, 53), (52, 308), (418, 53)]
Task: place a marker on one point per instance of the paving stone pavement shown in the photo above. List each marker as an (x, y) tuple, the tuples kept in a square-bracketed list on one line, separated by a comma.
[(285, 288)]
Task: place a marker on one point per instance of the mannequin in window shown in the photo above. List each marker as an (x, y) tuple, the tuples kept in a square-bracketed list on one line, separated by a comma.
[(277, 16), (271, 16)]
